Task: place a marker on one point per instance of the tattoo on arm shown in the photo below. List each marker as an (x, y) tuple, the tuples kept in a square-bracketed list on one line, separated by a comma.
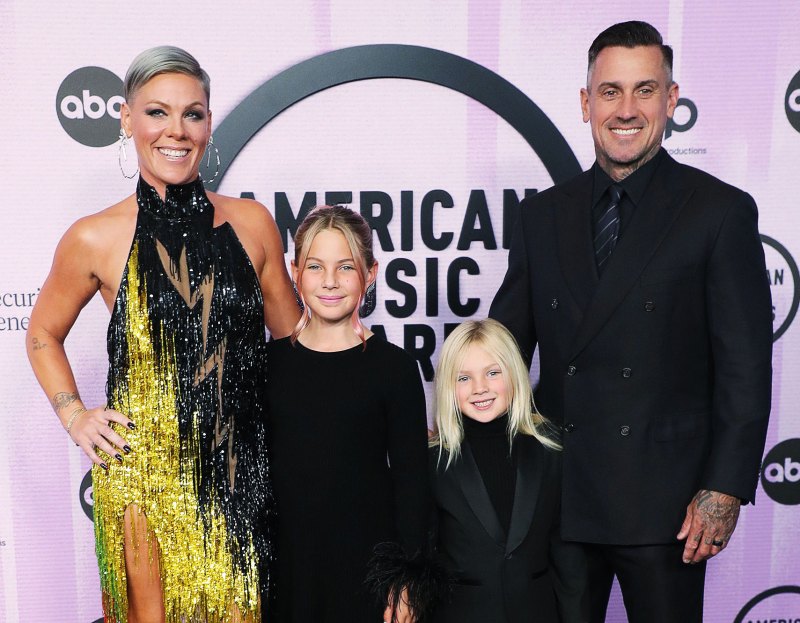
[(37, 345), (63, 399)]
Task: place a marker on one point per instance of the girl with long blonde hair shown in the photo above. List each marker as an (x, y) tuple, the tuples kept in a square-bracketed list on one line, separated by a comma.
[(349, 434), (495, 473)]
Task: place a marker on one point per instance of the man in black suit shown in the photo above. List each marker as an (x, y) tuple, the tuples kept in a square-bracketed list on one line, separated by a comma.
[(643, 283)]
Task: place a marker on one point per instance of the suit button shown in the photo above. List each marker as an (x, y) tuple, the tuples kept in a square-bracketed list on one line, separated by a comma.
[(571, 370), (568, 427), (649, 306), (626, 373), (625, 430), (554, 304), (509, 556)]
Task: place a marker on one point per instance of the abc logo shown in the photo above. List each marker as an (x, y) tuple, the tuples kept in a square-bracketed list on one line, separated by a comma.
[(684, 118), (780, 472), (793, 102), (86, 496), (88, 106)]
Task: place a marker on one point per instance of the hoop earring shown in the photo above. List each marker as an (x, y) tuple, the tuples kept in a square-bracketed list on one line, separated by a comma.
[(209, 146), (122, 154), (369, 302)]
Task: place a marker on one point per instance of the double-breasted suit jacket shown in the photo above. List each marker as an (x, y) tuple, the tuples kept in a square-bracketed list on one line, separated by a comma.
[(660, 370), (499, 577)]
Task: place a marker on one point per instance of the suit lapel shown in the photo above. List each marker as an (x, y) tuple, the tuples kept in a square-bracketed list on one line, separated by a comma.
[(526, 494), (466, 473), (574, 238), (663, 201)]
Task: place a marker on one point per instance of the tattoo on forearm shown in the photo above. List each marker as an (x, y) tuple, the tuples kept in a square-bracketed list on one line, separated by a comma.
[(37, 345), (63, 399)]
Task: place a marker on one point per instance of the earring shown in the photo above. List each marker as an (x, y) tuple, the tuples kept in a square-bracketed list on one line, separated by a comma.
[(122, 154), (209, 147), (369, 302)]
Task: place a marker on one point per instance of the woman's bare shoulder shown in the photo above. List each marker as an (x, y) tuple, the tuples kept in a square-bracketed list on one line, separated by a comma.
[(105, 227), (247, 212)]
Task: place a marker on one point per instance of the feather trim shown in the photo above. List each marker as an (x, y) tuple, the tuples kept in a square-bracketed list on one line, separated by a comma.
[(392, 571)]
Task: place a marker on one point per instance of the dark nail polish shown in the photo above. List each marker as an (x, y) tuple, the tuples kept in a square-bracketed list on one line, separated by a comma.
[(118, 457), (127, 449), (104, 466), (131, 425)]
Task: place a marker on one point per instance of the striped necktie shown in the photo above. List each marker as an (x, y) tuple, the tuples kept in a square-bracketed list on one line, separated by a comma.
[(606, 228)]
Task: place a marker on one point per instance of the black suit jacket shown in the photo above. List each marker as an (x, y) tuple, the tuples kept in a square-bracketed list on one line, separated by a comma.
[(504, 578), (660, 371)]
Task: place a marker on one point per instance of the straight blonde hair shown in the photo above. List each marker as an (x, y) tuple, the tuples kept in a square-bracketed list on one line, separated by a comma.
[(356, 232), (523, 418)]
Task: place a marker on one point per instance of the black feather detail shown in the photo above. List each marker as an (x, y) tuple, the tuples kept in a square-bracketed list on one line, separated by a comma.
[(391, 571)]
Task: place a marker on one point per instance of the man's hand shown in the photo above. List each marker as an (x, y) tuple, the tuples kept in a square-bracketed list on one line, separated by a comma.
[(710, 521)]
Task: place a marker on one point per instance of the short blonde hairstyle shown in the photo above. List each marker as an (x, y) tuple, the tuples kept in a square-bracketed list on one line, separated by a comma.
[(164, 59), (358, 235), (501, 345)]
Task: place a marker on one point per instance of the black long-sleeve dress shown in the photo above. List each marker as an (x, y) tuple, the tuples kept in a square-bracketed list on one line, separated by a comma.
[(349, 465)]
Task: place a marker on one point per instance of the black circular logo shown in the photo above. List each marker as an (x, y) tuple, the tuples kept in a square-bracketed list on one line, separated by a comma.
[(781, 603), (369, 62), (792, 103), (681, 121), (88, 106), (86, 495), (784, 282), (780, 472)]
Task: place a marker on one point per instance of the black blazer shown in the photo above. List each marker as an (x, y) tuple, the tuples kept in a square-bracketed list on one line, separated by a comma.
[(660, 371), (503, 578)]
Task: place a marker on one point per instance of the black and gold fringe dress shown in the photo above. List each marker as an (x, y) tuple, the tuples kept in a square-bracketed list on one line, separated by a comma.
[(186, 346)]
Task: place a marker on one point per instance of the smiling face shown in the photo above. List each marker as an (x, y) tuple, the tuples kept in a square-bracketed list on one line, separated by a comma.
[(481, 389), (628, 101), (329, 281), (170, 123)]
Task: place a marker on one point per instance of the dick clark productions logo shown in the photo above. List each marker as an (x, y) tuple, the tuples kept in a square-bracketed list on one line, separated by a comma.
[(86, 495), (792, 104), (88, 106)]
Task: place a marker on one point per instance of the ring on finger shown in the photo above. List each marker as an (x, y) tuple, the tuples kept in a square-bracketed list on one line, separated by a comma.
[(717, 542)]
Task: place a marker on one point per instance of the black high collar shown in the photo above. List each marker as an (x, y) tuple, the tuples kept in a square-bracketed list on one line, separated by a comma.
[(181, 201)]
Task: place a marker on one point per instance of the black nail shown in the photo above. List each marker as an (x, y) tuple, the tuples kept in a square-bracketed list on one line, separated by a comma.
[(118, 457), (127, 449), (131, 425), (104, 466)]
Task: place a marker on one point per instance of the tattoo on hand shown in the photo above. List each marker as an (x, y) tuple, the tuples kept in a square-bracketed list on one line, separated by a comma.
[(37, 345), (718, 511), (63, 399), (703, 496)]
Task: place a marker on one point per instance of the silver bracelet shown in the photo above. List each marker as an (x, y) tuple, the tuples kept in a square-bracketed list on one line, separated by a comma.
[(74, 417)]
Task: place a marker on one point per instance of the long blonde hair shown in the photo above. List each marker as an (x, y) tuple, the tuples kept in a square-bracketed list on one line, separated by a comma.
[(358, 235), (500, 344)]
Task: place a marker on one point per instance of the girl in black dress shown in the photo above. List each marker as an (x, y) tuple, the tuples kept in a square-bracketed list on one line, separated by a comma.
[(495, 470), (349, 435)]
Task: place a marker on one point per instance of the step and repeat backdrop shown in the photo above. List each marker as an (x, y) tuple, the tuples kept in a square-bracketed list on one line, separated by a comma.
[(434, 119)]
